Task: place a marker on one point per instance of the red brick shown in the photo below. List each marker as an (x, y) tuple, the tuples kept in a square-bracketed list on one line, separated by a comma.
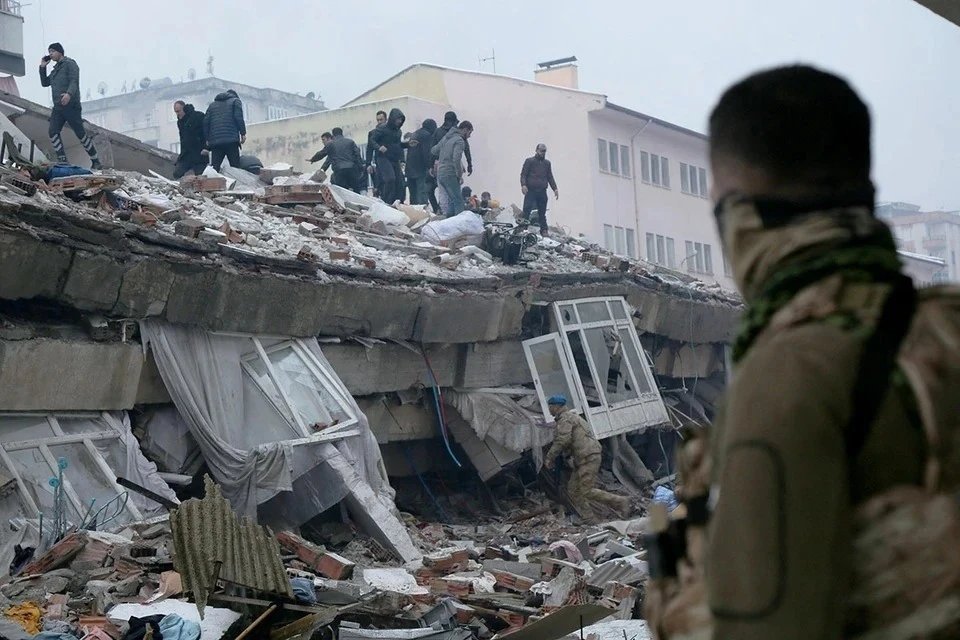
[(146, 219), (339, 255), (58, 555), (191, 227), (309, 553), (335, 567), (306, 254)]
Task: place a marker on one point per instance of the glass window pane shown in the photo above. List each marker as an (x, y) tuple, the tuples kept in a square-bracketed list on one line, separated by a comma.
[(621, 241), (671, 254), (703, 182), (602, 153), (707, 259), (316, 405), (567, 316), (661, 251), (664, 171), (593, 312), (608, 237), (88, 480), (76, 426), (261, 377), (689, 258), (24, 428), (651, 249), (614, 158), (639, 370), (654, 169), (645, 166), (684, 178), (606, 349), (625, 161), (579, 354), (693, 180), (631, 243), (549, 368), (617, 307)]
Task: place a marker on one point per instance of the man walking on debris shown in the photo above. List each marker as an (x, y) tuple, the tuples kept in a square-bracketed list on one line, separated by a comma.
[(450, 165), (371, 157), (343, 155), (224, 129), (819, 417), (535, 176), (389, 144), (420, 161), (193, 141), (575, 438), (64, 83)]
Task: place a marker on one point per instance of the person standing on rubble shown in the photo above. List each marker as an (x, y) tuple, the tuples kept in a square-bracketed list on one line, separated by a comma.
[(193, 141), (450, 165), (225, 129), (371, 157), (389, 144), (420, 161), (64, 83), (343, 155), (575, 438), (535, 176)]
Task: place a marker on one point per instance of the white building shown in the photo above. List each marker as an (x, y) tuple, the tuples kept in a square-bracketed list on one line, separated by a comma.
[(634, 183), (932, 233)]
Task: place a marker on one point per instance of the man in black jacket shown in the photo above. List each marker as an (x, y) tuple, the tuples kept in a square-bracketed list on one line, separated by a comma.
[(224, 129), (343, 155), (371, 156), (64, 83), (535, 176), (193, 142), (389, 144), (420, 161)]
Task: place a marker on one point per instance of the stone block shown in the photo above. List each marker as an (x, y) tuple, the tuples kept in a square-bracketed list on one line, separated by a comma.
[(93, 283), (31, 268), (145, 288), (336, 567)]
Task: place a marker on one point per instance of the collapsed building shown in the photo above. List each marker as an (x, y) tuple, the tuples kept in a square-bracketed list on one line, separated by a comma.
[(309, 358)]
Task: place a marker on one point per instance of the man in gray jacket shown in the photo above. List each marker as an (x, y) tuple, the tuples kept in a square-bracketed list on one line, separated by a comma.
[(450, 165), (343, 155), (64, 83)]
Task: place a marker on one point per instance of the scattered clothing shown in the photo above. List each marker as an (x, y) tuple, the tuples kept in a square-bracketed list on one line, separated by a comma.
[(303, 590), (193, 141), (223, 122), (173, 627), (138, 627), (666, 497), (27, 614), (53, 635), (56, 626)]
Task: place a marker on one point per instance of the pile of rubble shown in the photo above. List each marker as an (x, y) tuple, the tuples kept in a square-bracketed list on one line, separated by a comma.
[(284, 217), (203, 574)]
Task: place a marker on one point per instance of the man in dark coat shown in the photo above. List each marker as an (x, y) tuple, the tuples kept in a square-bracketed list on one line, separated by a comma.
[(193, 141), (420, 161), (371, 157), (535, 176), (224, 129), (343, 155), (389, 144), (450, 121), (64, 83)]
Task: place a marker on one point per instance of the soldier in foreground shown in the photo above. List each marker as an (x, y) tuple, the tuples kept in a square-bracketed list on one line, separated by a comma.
[(822, 474), (575, 438)]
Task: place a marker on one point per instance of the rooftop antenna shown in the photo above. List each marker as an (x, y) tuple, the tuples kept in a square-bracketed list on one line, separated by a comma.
[(209, 63), (191, 74), (492, 58)]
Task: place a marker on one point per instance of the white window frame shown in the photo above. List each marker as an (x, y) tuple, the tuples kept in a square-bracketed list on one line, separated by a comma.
[(620, 241), (614, 150), (603, 153), (655, 177), (651, 248), (702, 175), (608, 237), (684, 178), (87, 439), (708, 259), (554, 338), (631, 243), (647, 409), (328, 378), (625, 162), (665, 172), (671, 253), (645, 167), (694, 180)]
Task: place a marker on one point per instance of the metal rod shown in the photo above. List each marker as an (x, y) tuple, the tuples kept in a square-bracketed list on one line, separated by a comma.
[(255, 623), (156, 497)]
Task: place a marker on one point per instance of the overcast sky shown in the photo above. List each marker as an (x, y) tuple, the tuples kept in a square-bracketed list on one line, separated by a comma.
[(668, 59)]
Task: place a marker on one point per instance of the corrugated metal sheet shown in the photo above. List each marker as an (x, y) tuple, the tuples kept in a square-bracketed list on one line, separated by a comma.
[(206, 531), (620, 570)]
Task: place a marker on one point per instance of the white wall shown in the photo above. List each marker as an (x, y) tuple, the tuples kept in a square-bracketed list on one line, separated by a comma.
[(510, 118)]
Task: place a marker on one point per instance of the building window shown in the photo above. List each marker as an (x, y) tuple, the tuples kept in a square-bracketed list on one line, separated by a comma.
[(276, 113), (664, 172), (645, 166), (703, 182), (621, 238), (603, 154), (699, 258), (707, 259), (625, 161), (631, 244), (671, 254), (175, 147), (689, 257), (684, 178), (655, 169), (727, 267), (660, 250), (693, 180), (614, 158), (608, 237)]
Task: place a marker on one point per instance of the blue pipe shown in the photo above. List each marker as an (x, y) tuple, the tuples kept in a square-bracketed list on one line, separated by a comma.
[(436, 503), (436, 399)]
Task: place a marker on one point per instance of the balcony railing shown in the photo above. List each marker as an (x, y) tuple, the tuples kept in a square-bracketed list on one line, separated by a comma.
[(933, 242), (10, 6)]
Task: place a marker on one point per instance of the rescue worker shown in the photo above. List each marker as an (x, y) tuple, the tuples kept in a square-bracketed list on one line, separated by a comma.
[(535, 176), (371, 156), (811, 426), (343, 155), (64, 83), (193, 154), (389, 144), (419, 162), (575, 438)]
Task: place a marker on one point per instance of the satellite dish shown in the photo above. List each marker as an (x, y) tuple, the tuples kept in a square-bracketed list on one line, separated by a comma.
[(102, 88), (311, 96), (145, 83), (192, 74)]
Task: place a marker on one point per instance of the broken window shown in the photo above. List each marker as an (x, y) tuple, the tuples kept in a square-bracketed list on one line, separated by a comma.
[(33, 447), (606, 371), (300, 388)]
